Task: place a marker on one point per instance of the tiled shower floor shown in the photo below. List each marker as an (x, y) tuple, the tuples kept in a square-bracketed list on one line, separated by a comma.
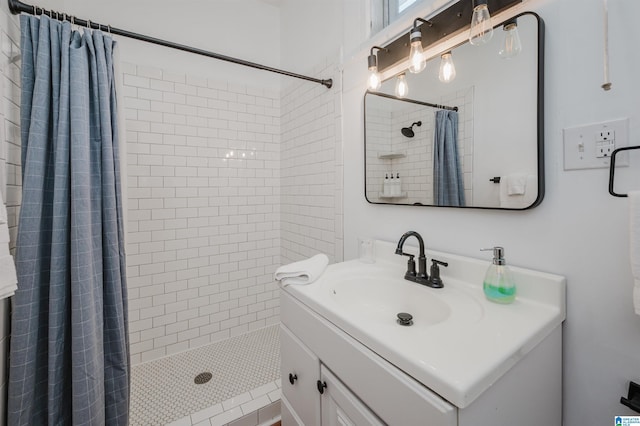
[(245, 369)]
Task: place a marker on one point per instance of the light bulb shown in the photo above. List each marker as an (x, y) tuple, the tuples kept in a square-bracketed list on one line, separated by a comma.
[(481, 28), (447, 68), (416, 57), (511, 46), (402, 88), (374, 81)]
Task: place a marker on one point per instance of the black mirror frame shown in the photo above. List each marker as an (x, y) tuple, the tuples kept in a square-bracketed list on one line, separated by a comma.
[(539, 120)]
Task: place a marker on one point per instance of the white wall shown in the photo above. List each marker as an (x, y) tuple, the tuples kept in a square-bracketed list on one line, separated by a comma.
[(248, 30), (579, 230)]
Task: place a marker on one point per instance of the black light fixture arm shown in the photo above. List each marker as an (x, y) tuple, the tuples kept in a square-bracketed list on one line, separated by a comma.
[(16, 7), (379, 48), (424, 21), (373, 58)]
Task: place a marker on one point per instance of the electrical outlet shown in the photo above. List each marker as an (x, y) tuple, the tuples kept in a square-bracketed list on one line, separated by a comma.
[(590, 146), (605, 142), (605, 135)]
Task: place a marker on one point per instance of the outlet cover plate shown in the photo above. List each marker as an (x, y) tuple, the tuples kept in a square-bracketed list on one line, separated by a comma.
[(582, 145)]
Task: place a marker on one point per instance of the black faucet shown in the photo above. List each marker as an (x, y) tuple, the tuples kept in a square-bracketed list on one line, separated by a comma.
[(421, 277)]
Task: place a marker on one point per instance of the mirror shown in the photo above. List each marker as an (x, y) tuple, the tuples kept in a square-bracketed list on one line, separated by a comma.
[(497, 142)]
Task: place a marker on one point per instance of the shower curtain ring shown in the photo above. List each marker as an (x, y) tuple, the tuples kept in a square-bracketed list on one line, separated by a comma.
[(88, 23), (109, 28)]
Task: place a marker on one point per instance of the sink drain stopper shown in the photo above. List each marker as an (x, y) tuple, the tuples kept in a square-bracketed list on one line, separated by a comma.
[(405, 319), (202, 378)]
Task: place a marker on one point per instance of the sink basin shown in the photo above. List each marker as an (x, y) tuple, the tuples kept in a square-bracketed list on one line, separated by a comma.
[(381, 299), (459, 343)]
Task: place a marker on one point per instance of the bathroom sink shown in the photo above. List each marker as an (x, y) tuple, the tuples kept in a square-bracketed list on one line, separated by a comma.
[(381, 299), (459, 343)]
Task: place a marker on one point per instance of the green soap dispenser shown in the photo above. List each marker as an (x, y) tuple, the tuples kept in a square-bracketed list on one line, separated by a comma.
[(499, 285)]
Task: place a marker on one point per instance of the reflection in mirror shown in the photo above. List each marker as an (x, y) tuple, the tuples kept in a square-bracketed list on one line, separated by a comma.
[(487, 154)]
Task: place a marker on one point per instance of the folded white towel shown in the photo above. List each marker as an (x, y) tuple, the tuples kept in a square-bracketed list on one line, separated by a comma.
[(4, 234), (8, 278), (3, 211), (302, 272), (518, 201), (516, 183), (634, 245)]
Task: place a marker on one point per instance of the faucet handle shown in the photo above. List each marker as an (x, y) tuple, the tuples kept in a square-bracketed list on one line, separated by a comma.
[(435, 280), (411, 266)]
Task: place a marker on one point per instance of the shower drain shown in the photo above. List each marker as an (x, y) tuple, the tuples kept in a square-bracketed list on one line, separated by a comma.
[(202, 378)]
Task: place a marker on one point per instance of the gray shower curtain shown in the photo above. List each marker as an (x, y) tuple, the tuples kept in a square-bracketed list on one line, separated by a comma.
[(448, 182), (69, 356)]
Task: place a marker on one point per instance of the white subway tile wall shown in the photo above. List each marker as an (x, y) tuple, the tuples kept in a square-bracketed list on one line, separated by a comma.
[(10, 169), (312, 167), (203, 241)]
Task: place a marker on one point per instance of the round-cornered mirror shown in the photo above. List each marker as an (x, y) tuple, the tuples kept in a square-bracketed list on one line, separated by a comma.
[(476, 141)]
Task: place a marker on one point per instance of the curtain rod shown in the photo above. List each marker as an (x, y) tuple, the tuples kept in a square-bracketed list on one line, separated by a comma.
[(413, 101), (16, 7)]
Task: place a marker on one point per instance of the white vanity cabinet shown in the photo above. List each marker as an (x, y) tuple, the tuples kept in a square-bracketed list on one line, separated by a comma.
[(318, 396)]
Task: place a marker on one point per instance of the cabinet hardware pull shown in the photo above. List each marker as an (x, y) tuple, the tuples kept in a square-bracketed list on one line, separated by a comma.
[(292, 378), (321, 386)]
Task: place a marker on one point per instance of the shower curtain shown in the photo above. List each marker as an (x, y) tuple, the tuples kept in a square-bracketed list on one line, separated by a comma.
[(69, 356), (448, 182)]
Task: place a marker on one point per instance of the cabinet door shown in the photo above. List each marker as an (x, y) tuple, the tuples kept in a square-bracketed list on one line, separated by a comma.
[(287, 415), (340, 407), (300, 370)]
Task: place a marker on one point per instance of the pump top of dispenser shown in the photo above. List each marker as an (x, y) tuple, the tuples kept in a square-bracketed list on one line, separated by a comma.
[(498, 255)]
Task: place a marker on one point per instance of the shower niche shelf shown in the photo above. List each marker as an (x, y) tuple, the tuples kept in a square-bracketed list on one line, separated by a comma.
[(391, 155), (403, 195)]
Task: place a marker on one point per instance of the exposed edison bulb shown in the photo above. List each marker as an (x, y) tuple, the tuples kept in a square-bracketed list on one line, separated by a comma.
[(511, 46), (447, 68), (416, 56), (402, 88), (481, 28), (374, 81)]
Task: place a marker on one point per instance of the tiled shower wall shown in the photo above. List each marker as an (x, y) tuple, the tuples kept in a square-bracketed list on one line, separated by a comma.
[(311, 162), (10, 168), (203, 209)]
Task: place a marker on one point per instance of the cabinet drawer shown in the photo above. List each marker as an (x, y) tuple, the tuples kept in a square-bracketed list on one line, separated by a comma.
[(300, 370)]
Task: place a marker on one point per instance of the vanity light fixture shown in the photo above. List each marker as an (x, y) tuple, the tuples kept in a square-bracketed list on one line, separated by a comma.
[(375, 80), (481, 28), (402, 88), (447, 68), (438, 28), (417, 61), (511, 45)]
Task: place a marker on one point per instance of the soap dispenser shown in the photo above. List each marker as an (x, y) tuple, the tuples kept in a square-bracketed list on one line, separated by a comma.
[(499, 285)]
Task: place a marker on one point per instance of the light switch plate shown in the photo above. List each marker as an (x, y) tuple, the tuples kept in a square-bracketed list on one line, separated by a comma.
[(585, 146)]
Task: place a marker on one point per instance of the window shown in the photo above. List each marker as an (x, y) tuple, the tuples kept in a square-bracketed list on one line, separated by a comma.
[(403, 4), (384, 12)]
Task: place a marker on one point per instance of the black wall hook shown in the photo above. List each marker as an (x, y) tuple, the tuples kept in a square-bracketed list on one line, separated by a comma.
[(633, 397)]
